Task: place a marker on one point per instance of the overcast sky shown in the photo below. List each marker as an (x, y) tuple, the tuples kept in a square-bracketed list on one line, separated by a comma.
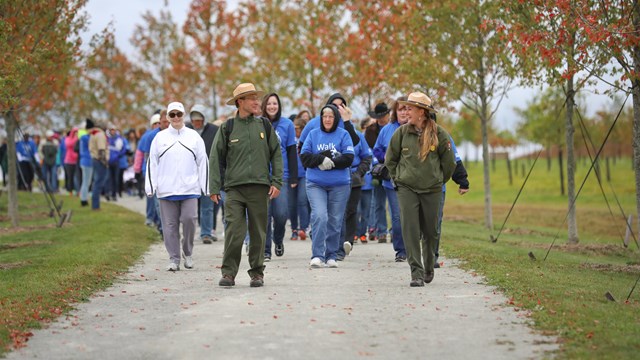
[(127, 13)]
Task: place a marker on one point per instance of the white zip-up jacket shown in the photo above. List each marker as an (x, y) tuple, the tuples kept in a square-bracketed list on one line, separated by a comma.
[(178, 164)]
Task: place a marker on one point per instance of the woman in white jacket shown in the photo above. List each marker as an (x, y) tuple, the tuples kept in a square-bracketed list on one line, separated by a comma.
[(178, 173)]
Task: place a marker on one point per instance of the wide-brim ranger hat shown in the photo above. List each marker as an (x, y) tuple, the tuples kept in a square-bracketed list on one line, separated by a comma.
[(243, 90), (379, 111), (420, 100)]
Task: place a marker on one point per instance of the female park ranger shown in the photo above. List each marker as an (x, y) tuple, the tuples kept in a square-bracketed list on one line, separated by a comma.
[(420, 161)]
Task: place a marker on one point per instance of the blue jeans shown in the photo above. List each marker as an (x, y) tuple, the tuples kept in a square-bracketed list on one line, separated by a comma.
[(206, 216), (279, 212), (299, 206), (50, 177), (436, 251), (378, 211), (87, 173), (396, 228), (327, 213), (114, 180), (364, 212), (100, 178)]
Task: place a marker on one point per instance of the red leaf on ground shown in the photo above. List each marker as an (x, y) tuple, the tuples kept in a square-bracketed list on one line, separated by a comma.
[(337, 332), (275, 316)]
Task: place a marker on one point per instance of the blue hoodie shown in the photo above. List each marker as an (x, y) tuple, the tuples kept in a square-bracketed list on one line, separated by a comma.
[(380, 148), (287, 136), (335, 141)]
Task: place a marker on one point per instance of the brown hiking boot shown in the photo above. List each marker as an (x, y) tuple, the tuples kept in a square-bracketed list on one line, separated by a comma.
[(428, 277), (382, 238), (257, 281), (227, 280)]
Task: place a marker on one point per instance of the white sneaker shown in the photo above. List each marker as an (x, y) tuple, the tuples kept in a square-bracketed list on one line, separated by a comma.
[(332, 263), (347, 247), (173, 267), (315, 263), (188, 262)]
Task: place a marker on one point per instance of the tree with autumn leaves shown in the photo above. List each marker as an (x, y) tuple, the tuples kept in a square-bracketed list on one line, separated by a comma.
[(457, 51), (40, 42)]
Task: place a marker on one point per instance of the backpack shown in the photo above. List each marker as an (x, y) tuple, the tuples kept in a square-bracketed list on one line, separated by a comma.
[(229, 128), (49, 152)]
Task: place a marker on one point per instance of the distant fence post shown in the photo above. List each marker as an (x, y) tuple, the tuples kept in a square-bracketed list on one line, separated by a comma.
[(628, 226)]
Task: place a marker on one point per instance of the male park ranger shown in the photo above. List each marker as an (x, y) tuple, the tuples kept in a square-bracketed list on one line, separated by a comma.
[(246, 147)]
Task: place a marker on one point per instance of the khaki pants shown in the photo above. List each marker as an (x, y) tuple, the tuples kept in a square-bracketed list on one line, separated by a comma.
[(419, 220), (245, 205)]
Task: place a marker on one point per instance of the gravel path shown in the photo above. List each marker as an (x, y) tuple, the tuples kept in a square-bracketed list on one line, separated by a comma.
[(364, 309)]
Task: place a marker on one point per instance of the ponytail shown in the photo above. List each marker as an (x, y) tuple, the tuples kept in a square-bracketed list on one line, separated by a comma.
[(429, 137)]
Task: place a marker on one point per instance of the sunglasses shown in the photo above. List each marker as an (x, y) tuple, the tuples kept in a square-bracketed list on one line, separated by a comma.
[(174, 114)]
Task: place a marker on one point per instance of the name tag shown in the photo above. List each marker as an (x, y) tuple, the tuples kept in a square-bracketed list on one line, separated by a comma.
[(405, 149), (234, 140), (433, 148), (261, 135)]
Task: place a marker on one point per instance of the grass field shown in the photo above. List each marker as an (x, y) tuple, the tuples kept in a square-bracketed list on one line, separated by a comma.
[(565, 293), (44, 270)]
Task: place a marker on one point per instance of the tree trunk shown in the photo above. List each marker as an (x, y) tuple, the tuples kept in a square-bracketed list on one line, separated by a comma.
[(509, 170), (311, 92), (608, 169), (548, 158), (12, 206), (561, 165), (572, 225), (636, 112), (214, 98)]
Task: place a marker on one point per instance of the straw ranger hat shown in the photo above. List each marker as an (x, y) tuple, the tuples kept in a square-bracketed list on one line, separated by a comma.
[(420, 100), (243, 90)]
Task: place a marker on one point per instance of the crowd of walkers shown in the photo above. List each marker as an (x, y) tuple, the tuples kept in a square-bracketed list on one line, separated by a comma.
[(96, 157), (330, 179)]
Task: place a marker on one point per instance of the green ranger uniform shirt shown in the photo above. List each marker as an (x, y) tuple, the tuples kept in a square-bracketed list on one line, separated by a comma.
[(407, 169), (246, 157)]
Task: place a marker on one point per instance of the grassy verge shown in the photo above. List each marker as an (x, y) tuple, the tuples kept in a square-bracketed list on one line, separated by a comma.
[(565, 293), (44, 270)]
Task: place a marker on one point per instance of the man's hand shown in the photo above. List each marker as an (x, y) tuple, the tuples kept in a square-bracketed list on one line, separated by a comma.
[(273, 192), (462, 191), (293, 186), (215, 198)]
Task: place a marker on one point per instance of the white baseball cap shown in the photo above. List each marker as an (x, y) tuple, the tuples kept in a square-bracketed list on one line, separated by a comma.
[(175, 106)]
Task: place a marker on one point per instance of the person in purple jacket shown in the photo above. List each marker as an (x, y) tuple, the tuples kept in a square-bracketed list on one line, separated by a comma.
[(398, 117), (327, 154)]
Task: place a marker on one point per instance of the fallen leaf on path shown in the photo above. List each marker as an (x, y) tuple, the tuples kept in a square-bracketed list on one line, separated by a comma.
[(337, 332)]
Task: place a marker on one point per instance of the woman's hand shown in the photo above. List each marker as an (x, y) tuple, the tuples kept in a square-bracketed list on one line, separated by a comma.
[(345, 112)]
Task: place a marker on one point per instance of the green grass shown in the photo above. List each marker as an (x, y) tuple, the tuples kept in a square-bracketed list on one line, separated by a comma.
[(565, 293), (44, 270)]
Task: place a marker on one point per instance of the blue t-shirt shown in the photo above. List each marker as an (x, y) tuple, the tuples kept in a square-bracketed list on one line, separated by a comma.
[(145, 142), (302, 172), (26, 150), (362, 150), (287, 135), (145, 145), (319, 141), (380, 148), (85, 155)]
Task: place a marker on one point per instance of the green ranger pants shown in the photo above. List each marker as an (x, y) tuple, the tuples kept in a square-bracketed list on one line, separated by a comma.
[(419, 221), (245, 205)]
